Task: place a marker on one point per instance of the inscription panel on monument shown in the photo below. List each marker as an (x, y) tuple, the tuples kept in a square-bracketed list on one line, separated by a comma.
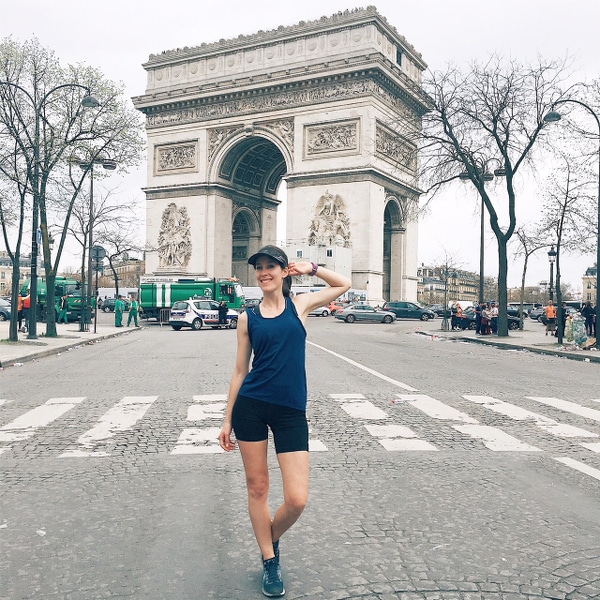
[(338, 137), (180, 157)]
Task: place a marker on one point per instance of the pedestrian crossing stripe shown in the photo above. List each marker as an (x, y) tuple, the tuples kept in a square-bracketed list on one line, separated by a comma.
[(206, 413)]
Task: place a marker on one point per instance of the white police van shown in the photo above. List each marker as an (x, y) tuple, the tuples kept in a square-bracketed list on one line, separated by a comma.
[(199, 313)]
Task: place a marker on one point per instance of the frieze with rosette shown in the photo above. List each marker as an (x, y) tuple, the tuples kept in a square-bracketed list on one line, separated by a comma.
[(176, 157)]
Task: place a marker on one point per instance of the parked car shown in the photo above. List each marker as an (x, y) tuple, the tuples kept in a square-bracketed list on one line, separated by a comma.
[(438, 309), (365, 312), (320, 311), (108, 304), (4, 310), (251, 303), (335, 307), (409, 310), (536, 313), (198, 313)]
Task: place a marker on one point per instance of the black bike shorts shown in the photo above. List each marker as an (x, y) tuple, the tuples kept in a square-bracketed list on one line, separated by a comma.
[(251, 420)]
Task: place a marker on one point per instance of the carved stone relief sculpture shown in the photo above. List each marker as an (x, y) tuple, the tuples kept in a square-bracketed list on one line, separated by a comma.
[(174, 239), (175, 157), (331, 138), (330, 226)]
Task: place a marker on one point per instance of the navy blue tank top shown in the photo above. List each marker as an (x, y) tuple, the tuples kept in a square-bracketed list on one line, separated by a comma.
[(278, 373)]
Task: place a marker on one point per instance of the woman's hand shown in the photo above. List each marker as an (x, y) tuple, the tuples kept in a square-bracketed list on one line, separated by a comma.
[(299, 268), (225, 440)]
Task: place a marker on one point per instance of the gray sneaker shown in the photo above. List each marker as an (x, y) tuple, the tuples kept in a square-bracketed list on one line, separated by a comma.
[(272, 584)]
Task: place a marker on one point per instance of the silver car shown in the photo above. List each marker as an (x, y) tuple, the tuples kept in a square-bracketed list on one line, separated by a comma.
[(365, 312)]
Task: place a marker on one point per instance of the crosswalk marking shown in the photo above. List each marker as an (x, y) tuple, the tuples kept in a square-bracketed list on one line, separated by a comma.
[(27, 424), (124, 415), (495, 439), (398, 437), (436, 409), (579, 466), (576, 409), (521, 414), (386, 427)]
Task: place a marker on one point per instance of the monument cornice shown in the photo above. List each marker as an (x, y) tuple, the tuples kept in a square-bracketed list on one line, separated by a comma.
[(353, 84), (352, 176), (341, 20)]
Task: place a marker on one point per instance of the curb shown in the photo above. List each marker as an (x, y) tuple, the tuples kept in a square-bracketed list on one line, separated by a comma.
[(571, 355), (62, 347)]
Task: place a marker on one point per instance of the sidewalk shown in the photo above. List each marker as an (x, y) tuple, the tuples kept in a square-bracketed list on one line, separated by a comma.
[(69, 338), (533, 338)]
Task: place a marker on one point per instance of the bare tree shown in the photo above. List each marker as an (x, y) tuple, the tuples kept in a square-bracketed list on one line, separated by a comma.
[(568, 211), (484, 122), (530, 242), (44, 122)]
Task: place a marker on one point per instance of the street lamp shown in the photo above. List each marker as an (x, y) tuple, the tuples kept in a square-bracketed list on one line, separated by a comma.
[(88, 101), (485, 176), (551, 260), (552, 117), (109, 165)]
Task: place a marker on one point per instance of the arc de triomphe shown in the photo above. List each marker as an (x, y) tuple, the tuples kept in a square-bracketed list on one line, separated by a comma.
[(331, 106)]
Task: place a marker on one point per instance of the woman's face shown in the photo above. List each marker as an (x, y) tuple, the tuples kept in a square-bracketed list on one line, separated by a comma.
[(269, 273)]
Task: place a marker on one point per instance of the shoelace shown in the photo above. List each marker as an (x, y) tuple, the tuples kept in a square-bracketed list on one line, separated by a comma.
[(271, 571)]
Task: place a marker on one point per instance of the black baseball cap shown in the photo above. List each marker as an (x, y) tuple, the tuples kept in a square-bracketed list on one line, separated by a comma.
[(272, 252)]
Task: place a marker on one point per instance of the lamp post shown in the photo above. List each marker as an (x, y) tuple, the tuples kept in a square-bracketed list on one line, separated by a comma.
[(109, 165), (551, 260), (485, 174), (88, 101), (552, 117)]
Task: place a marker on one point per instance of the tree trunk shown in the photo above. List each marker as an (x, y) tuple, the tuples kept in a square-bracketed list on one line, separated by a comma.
[(502, 289)]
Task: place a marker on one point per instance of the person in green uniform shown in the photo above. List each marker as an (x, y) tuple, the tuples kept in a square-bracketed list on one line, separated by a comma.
[(133, 312), (119, 307), (64, 309)]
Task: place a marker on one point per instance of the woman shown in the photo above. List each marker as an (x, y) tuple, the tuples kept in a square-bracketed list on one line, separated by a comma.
[(273, 396)]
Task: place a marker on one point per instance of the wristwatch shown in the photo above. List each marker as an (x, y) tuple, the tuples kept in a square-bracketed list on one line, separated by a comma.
[(315, 268)]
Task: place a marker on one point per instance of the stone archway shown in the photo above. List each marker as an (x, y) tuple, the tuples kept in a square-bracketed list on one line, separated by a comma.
[(334, 106)]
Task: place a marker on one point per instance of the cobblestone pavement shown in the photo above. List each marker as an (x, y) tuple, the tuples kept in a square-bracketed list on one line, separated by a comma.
[(415, 494)]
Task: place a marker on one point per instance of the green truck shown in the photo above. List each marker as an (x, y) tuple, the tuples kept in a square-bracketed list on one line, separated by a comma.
[(158, 294), (62, 286)]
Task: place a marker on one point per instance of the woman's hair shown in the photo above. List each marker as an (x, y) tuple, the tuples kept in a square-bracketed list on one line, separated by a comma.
[(287, 286)]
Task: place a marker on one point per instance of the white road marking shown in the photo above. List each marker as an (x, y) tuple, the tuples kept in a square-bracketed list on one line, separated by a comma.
[(572, 407), (593, 446), (201, 412), (210, 398), (436, 409), (316, 446), (495, 439), (364, 410), (198, 441), (398, 438), (346, 397), (579, 466), (404, 386), (27, 424), (521, 414), (121, 417)]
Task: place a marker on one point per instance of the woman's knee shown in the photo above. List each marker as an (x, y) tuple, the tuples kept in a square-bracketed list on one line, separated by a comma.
[(258, 487)]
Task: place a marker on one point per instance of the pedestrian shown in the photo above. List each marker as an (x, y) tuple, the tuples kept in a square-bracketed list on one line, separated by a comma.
[(550, 317), (588, 313), (133, 313), (457, 318), (478, 309), (20, 310), (26, 307), (485, 319), (561, 324), (223, 309), (494, 318), (273, 395), (64, 309), (119, 308)]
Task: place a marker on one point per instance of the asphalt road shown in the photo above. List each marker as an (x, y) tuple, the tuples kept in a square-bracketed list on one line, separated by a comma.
[(438, 471)]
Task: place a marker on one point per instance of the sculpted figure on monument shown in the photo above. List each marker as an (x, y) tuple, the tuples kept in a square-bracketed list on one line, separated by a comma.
[(174, 239), (330, 226)]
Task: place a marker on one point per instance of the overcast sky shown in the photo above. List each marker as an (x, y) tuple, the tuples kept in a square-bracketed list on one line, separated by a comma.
[(117, 36)]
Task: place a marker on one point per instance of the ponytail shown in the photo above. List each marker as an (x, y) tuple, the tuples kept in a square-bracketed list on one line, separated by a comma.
[(287, 286)]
